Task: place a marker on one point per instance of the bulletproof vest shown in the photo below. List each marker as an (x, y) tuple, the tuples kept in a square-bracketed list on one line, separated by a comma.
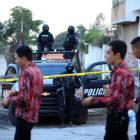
[(44, 38), (70, 41), (69, 83)]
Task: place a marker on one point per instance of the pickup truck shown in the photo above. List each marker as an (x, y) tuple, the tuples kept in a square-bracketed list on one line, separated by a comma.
[(92, 85)]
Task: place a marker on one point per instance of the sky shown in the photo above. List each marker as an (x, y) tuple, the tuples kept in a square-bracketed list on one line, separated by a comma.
[(59, 14)]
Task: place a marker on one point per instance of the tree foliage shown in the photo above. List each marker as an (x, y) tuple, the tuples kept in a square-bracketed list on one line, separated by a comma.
[(93, 36), (21, 21), (81, 31), (96, 33), (59, 40), (2, 40)]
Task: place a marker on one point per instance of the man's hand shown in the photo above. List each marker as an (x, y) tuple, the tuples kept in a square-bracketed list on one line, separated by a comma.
[(106, 90), (5, 102), (87, 101), (131, 105)]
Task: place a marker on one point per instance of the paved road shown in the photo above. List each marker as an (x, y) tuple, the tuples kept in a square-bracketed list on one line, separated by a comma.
[(93, 130)]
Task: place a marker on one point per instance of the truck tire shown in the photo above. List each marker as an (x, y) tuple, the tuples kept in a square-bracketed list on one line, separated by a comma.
[(12, 114), (80, 114)]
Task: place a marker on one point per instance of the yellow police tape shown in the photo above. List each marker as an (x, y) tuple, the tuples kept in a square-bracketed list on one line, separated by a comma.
[(64, 75)]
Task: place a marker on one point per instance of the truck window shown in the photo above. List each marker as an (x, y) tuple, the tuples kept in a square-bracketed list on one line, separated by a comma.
[(11, 72), (51, 69), (102, 68)]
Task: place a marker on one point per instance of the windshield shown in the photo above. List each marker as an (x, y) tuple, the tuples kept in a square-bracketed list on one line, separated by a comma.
[(48, 69)]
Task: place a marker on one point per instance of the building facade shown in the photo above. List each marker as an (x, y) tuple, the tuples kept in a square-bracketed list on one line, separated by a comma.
[(125, 14)]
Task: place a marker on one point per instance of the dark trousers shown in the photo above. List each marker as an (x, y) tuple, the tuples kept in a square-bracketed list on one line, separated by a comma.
[(41, 50), (70, 101), (68, 55), (116, 125), (137, 137), (23, 129), (61, 104)]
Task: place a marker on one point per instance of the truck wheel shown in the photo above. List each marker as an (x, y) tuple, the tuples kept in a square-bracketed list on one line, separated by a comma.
[(12, 114), (80, 114)]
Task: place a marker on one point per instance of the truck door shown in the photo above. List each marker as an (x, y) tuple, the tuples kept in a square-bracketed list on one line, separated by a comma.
[(94, 84)]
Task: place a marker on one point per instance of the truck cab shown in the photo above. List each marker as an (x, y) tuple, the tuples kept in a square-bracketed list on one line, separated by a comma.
[(51, 64)]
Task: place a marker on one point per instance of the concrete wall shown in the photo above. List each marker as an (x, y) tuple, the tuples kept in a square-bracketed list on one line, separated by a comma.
[(128, 32), (94, 55)]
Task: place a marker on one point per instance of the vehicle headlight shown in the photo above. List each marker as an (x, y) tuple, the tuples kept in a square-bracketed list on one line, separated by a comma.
[(45, 94)]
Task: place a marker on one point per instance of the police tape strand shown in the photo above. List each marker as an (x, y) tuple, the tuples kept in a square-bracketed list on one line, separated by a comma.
[(3, 80)]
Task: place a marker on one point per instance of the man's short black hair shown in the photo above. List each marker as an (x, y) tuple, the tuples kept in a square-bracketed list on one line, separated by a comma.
[(25, 51), (119, 46), (135, 40)]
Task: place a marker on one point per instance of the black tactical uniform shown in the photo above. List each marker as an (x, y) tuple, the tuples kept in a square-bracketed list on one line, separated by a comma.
[(71, 41), (60, 99), (70, 84), (45, 40), (67, 95)]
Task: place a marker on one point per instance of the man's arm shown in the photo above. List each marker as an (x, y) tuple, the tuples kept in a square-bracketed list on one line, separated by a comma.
[(114, 93), (12, 93), (51, 40)]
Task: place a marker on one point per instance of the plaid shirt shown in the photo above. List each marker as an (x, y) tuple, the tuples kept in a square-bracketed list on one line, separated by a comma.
[(28, 99), (138, 97), (121, 89)]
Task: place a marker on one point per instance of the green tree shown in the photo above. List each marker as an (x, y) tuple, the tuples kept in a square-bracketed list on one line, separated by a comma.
[(59, 40), (81, 35), (20, 28), (93, 36), (3, 43), (1, 30), (81, 31), (22, 21), (96, 34)]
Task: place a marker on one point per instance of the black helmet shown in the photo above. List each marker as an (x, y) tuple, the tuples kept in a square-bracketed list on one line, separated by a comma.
[(69, 68), (71, 29), (45, 28)]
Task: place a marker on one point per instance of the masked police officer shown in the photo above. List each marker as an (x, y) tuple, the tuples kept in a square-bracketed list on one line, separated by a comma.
[(58, 82), (71, 41), (65, 94), (45, 40), (70, 85)]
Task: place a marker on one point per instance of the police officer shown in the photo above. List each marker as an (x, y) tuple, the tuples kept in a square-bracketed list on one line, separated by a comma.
[(45, 40), (70, 84), (58, 82), (71, 40), (65, 94)]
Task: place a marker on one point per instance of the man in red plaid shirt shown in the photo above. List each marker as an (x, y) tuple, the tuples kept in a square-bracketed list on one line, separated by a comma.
[(28, 98), (121, 91), (136, 52)]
